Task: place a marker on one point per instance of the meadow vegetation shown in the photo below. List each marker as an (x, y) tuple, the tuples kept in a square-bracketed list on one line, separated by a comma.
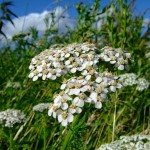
[(125, 111)]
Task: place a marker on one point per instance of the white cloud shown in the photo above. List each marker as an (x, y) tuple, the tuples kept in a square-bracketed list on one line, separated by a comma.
[(22, 24)]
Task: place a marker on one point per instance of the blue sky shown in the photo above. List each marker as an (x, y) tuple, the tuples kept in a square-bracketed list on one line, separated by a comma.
[(24, 7), (32, 13)]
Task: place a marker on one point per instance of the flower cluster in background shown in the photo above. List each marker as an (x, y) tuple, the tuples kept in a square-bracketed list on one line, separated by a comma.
[(116, 56), (10, 117), (14, 85), (86, 84), (40, 107), (130, 79), (134, 142), (142, 84)]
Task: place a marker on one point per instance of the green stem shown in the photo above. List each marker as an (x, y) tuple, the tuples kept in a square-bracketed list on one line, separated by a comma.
[(69, 134), (11, 140), (44, 132)]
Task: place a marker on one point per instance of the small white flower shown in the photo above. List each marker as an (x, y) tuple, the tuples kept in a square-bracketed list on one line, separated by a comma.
[(78, 102), (74, 91), (93, 96), (65, 118)]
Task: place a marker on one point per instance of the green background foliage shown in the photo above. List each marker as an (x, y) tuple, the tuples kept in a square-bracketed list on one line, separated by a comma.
[(91, 128)]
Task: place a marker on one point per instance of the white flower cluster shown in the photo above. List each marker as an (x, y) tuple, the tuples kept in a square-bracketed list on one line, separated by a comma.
[(88, 85), (55, 62), (134, 142), (10, 117), (142, 84), (77, 91), (14, 85), (130, 79), (116, 56), (40, 107)]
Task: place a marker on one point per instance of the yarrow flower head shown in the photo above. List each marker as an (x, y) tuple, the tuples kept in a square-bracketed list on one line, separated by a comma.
[(40, 107), (77, 91), (128, 79), (14, 85), (134, 142), (87, 84), (55, 62), (142, 84), (116, 56), (10, 117)]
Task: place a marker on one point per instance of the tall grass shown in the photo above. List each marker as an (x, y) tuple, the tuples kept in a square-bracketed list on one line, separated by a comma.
[(125, 113)]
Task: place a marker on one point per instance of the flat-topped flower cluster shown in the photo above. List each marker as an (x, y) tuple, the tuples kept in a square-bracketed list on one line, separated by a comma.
[(116, 56), (53, 63), (77, 91), (10, 117), (134, 142), (130, 79), (86, 84)]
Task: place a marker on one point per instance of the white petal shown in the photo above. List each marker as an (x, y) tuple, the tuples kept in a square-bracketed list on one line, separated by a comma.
[(57, 99), (75, 91), (39, 68), (121, 67), (31, 75), (65, 96), (60, 118), (90, 63), (84, 72), (54, 114), (106, 58), (64, 123), (104, 96), (113, 88), (84, 65), (98, 105), (63, 86), (88, 77), (119, 86), (67, 55), (31, 67), (64, 106), (35, 78), (34, 60), (44, 77), (112, 62), (88, 100), (98, 79), (53, 77), (67, 62), (40, 75), (49, 75), (78, 102), (76, 54), (78, 110), (50, 112), (71, 110), (70, 117), (85, 88), (93, 96), (73, 70)]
